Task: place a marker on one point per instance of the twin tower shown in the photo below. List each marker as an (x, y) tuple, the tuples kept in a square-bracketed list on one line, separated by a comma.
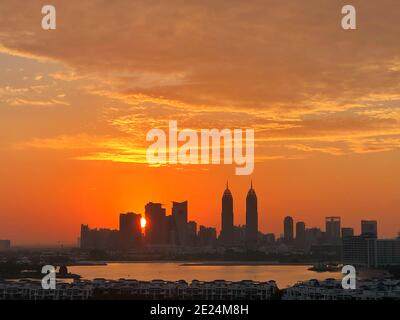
[(227, 236)]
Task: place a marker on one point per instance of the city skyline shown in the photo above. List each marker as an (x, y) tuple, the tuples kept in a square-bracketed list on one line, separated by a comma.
[(177, 229), (280, 233), (77, 102)]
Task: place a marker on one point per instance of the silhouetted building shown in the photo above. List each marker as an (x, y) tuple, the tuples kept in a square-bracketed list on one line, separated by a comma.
[(99, 238), (313, 236), (288, 229), (157, 226), (5, 244), (347, 232), (300, 234), (180, 215), (269, 238), (191, 231), (371, 252), (251, 217), (130, 230), (239, 235), (369, 228), (207, 236), (227, 218), (332, 229)]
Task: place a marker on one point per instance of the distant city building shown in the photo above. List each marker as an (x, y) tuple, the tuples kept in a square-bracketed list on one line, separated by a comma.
[(180, 216), (191, 231), (227, 218), (5, 244), (207, 236), (251, 217), (369, 228), (300, 233), (269, 238), (239, 235), (332, 229), (130, 230), (371, 252), (332, 289), (347, 232), (313, 236), (156, 224), (102, 289), (99, 238), (288, 229)]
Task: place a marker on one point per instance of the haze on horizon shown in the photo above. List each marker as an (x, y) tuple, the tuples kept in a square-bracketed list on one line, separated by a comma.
[(76, 103)]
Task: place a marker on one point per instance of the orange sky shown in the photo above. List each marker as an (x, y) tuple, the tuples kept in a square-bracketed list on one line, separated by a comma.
[(76, 103)]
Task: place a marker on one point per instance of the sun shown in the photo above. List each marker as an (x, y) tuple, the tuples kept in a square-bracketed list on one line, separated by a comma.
[(143, 222)]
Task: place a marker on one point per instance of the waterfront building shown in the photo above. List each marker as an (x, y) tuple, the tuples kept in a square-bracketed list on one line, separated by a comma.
[(207, 236), (300, 234), (226, 235), (180, 216), (99, 238), (371, 252), (144, 290), (369, 228), (288, 230), (157, 226), (331, 289), (347, 232), (251, 217), (332, 229), (130, 230)]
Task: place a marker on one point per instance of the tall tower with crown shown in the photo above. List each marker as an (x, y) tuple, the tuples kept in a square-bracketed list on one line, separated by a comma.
[(251, 217), (227, 218)]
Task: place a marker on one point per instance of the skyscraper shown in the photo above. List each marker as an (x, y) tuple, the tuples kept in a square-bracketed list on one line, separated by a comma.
[(332, 229), (288, 229), (347, 232), (130, 230), (180, 216), (227, 218), (156, 224), (251, 217), (369, 228), (300, 233)]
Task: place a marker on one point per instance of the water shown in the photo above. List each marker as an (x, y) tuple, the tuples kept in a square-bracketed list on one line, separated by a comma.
[(284, 275)]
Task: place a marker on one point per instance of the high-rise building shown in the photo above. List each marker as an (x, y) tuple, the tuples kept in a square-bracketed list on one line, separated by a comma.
[(130, 230), (288, 229), (180, 216), (207, 236), (191, 233), (332, 229), (99, 238), (347, 232), (5, 244), (369, 228), (156, 224), (227, 218), (300, 233), (251, 217), (371, 252)]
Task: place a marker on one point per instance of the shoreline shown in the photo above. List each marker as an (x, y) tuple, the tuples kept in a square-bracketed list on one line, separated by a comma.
[(194, 263)]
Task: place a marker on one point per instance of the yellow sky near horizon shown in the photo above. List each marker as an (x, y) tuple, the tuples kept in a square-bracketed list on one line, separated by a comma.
[(76, 103)]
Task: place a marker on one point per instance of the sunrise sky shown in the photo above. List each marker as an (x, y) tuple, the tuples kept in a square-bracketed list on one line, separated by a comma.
[(76, 104)]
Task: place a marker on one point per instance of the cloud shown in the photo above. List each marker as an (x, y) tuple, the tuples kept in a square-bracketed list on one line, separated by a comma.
[(90, 147), (286, 69)]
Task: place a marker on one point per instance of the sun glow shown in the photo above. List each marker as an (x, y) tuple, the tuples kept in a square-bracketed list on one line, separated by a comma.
[(143, 222)]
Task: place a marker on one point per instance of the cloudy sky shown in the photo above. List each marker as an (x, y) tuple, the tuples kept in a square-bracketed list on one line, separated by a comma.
[(76, 103)]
